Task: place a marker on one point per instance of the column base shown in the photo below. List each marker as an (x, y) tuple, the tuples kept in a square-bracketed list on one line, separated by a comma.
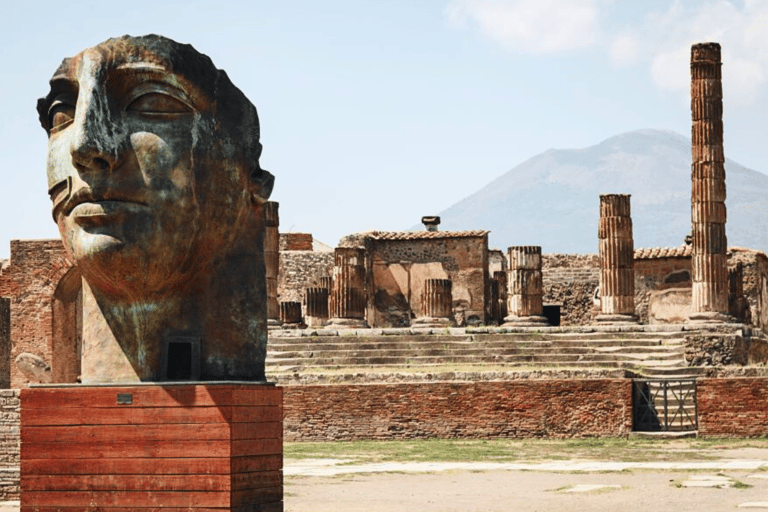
[(710, 317), (291, 326), (428, 321), (347, 323), (316, 321), (274, 324), (196, 446), (525, 321), (616, 319)]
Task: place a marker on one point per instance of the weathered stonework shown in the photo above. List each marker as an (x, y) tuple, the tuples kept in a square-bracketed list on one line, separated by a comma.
[(296, 242), (524, 287), (708, 214), (436, 304), (500, 278), (616, 251), (570, 281), (348, 296), (272, 259), (316, 306), (290, 315)]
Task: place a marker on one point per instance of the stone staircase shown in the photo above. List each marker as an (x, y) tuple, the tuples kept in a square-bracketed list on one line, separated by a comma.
[(638, 352)]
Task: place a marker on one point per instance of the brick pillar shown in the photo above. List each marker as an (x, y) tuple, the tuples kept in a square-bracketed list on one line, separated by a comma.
[(617, 257), (500, 276), (290, 315), (272, 260), (524, 288), (709, 261), (316, 302), (436, 304), (348, 297)]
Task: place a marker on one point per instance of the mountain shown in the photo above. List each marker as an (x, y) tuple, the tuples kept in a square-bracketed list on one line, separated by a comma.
[(552, 199)]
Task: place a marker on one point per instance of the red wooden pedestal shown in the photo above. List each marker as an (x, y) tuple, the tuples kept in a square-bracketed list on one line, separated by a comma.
[(191, 447)]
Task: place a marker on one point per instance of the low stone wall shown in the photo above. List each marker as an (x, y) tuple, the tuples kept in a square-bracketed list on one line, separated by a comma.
[(300, 270), (733, 407), (519, 409)]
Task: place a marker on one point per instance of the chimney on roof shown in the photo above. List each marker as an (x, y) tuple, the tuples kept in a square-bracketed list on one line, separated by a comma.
[(430, 222)]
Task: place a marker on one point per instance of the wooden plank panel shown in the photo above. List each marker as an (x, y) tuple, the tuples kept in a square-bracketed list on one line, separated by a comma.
[(103, 499), (256, 463), (122, 416), (256, 496), (242, 414), (267, 430), (256, 480), (35, 508), (258, 396), (257, 447), (130, 466), (102, 433), (128, 449), (129, 483), (187, 395)]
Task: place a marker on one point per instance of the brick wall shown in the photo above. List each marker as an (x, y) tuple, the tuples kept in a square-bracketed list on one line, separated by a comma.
[(5, 342), (513, 409), (35, 269), (296, 241), (733, 407)]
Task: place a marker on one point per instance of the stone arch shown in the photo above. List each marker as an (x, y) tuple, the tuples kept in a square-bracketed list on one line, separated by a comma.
[(67, 327)]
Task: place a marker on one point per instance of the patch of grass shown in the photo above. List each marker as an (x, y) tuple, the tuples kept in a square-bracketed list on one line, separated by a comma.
[(738, 484), (514, 450)]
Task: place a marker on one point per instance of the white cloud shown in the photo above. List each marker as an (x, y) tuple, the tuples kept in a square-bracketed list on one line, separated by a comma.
[(531, 26)]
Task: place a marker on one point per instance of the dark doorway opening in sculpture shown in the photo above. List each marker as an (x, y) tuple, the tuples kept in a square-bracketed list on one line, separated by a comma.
[(552, 314), (182, 359)]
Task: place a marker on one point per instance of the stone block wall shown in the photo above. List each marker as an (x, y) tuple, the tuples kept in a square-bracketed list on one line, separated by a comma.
[(29, 281), (733, 407), (300, 270), (656, 275), (9, 444), (512, 409), (570, 280)]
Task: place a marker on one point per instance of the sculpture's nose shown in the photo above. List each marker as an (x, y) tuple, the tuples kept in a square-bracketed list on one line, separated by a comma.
[(95, 141)]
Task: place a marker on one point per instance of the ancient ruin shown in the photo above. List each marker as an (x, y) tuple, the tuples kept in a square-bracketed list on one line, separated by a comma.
[(524, 287), (348, 295), (272, 259), (710, 275), (617, 254)]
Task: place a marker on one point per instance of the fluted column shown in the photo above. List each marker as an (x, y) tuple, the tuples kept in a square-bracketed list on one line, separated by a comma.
[(709, 260), (348, 297), (316, 303), (436, 304), (272, 260), (290, 315), (500, 276), (524, 288), (617, 257)]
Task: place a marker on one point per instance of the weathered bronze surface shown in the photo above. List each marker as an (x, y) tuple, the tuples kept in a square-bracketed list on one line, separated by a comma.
[(153, 170)]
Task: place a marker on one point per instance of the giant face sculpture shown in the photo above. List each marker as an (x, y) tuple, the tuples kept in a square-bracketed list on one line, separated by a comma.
[(153, 170)]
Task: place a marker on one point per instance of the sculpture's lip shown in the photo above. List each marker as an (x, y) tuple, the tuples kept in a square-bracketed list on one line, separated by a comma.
[(86, 202), (99, 211)]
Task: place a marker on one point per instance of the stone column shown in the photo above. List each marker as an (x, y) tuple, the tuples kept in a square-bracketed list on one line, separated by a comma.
[(436, 304), (524, 288), (348, 296), (290, 315), (709, 261), (316, 302), (617, 258), (500, 276), (272, 260)]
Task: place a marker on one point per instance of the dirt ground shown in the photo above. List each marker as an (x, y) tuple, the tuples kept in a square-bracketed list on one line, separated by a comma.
[(536, 491)]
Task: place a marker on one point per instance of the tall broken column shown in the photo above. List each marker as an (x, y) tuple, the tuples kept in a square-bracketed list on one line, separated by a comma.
[(272, 260), (617, 256), (436, 304), (348, 297), (709, 261), (525, 306)]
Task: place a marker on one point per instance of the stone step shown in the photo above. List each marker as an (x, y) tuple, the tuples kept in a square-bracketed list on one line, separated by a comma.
[(336, 343)]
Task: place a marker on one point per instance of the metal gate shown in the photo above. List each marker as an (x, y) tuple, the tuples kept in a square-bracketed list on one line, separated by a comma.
[(664, 405)]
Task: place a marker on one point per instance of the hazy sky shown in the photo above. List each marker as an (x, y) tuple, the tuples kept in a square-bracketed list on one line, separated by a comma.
[(374, 113)]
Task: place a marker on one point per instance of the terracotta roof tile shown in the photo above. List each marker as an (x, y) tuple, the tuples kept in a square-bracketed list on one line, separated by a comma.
[(422, 235), (682, 251)]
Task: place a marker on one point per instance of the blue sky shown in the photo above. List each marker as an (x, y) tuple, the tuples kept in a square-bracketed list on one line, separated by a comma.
[(375, 113)]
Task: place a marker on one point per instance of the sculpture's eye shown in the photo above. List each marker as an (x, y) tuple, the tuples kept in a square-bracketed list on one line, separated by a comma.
[(60, 115), (158, 103)]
